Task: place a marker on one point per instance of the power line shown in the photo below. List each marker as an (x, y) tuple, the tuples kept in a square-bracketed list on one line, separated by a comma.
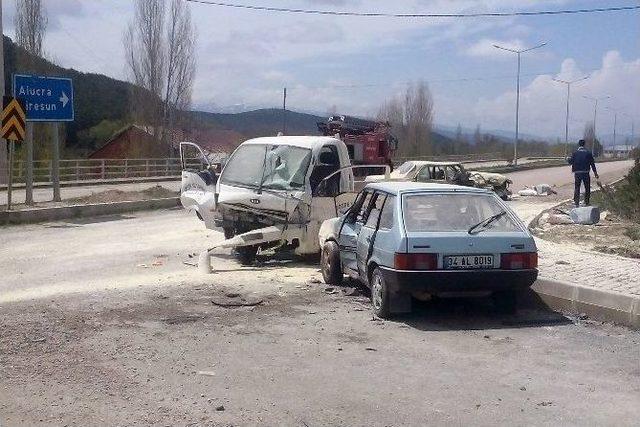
[(416, 15), (436, 81)]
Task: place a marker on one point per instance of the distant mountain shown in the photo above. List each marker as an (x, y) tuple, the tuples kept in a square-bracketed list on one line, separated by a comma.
[(269, 121), (264, 122)]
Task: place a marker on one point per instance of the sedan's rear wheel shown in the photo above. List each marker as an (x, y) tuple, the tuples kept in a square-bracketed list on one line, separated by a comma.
[(379, 294), (330, 263)]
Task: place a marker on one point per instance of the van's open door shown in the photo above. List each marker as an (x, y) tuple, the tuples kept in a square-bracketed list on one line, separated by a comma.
[(198, 187)]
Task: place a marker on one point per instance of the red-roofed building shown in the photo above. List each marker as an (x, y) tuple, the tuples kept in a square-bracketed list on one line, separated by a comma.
[(137, 142)]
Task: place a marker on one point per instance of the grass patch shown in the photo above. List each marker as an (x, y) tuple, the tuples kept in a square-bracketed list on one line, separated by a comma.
[(623, 198), (633, 232)]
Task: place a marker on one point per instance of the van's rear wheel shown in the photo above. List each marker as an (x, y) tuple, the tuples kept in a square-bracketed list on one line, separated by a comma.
[(330, 263), (247, 254), (380, 294)]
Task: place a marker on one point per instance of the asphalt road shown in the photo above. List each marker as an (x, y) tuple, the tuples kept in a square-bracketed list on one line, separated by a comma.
[(103, 324)]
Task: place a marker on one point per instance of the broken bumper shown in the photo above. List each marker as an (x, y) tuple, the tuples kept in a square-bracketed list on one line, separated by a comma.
[(444, 281)]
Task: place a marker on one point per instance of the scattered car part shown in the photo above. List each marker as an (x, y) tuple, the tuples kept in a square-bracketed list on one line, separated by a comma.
[(586, 215)]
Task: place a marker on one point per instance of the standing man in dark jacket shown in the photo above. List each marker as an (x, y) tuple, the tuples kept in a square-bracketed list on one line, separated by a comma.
[(581, 161)]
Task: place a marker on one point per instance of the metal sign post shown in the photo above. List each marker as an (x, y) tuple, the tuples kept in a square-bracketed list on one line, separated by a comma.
[(47, 99), (28, 172), (55, 163), (13, 129), (10, 177)]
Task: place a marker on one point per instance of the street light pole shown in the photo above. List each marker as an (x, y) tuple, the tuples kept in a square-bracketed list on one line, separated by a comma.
[(633, 125), (615, 125), (595, 113), (518, 52), (566, 122)]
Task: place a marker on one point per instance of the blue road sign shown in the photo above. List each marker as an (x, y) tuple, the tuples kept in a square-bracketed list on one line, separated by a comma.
[(46, 99)]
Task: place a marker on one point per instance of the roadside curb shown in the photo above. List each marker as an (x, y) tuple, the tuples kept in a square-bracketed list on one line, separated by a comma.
[(605, 305), (75, 211), (602, 305)]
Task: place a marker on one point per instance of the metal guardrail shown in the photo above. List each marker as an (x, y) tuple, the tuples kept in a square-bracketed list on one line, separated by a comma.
[(453, 158), (472, 158), (97, 169), (105, 169)]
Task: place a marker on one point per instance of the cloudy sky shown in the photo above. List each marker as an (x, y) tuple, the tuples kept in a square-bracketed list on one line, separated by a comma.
[(246, 57)]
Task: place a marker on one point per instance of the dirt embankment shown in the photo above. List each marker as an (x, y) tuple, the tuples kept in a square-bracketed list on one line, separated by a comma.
[(112, 196), (612, 235)]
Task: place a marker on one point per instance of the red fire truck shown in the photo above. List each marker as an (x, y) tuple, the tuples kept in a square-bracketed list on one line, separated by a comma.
[(369, 142)]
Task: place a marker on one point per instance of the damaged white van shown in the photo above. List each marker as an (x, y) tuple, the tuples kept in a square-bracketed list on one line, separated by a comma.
[(273, 192)]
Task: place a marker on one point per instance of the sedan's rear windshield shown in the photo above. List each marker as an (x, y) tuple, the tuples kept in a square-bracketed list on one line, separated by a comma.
[(453, 212)]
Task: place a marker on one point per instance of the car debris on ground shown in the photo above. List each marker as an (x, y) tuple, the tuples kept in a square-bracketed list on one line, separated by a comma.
[(538, 190)]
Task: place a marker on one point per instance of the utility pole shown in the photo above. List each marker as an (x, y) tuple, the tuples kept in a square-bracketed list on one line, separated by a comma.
[(633, 125), (4, 170), (566, 121), (518, 52), (595, 113), (284, 111), (615, 125)]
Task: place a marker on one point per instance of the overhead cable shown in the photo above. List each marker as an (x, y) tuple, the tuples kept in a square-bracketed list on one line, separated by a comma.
[(417, 15)]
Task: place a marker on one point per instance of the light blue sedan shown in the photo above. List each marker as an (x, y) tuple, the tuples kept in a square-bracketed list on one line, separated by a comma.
[(405, 239)]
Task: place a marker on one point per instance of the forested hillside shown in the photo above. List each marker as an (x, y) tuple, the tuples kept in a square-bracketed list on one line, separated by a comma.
[(103, 106)]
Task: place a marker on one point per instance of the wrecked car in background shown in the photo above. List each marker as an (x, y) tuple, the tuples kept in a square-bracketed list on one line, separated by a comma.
[(448, 173), (406, 239), (273, 192)]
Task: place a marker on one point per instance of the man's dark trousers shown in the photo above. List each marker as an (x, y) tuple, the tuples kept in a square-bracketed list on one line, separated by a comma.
[(582, 177)]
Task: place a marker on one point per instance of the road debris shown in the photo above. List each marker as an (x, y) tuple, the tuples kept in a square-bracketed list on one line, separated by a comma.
[(351, 292), (537, 190), (179, 319), (236, 300), (207, 373), (587, 215)]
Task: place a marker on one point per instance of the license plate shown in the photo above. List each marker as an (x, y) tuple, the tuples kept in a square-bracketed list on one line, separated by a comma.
[(468, 261)]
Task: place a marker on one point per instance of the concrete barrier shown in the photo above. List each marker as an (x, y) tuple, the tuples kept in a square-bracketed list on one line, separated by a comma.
[(64, 212)]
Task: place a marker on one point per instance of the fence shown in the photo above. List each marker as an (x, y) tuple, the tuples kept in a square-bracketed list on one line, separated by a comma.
[(105, 169), (99, 169)]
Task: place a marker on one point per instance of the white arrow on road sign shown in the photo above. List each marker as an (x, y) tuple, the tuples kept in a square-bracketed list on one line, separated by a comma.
[(64, 99)]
